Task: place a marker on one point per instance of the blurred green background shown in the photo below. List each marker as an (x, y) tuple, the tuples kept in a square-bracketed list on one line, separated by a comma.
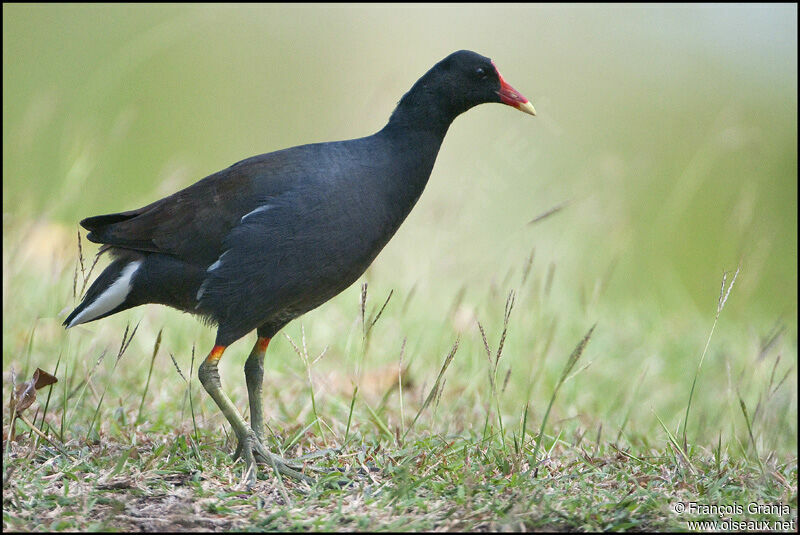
[(671, 132)]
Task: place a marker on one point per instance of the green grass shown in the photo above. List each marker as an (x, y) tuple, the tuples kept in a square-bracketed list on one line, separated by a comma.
[(550, 432)]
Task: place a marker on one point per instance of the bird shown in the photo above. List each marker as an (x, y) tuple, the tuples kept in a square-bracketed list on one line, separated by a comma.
[(258, 244)]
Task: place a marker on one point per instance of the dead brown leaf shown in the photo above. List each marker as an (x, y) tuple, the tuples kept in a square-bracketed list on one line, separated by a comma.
[(25, 393)]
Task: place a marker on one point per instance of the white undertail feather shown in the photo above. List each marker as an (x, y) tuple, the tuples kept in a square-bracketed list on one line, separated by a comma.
[(111, 298)]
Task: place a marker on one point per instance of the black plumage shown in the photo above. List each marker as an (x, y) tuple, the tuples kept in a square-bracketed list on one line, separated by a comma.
[(258, 244)]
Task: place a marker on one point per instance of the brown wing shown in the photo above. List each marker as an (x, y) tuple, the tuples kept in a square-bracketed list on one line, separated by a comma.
[(190, 224)]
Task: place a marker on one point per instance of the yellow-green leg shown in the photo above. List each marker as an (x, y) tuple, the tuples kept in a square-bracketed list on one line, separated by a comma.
[(254, 376), (250, 444)]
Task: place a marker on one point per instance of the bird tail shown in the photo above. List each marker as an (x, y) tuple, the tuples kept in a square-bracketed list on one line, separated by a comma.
[(109, 293)]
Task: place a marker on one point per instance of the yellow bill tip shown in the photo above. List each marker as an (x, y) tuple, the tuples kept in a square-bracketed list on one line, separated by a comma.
[(527, 107)]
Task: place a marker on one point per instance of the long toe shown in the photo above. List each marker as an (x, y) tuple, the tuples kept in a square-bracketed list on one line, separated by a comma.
[(252, 451), (328, 452), (284, 467), (297, 464)]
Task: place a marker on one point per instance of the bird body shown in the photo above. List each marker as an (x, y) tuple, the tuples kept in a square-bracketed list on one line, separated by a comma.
[(294, 227), (271, 237)]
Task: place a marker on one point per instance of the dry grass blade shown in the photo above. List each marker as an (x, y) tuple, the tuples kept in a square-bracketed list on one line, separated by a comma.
[(574, 356), (768, 391), (439, 394), (408, 299), (380, 423), (750, 431), (400, 384), (50, 392), (631, 400), (723, 297), (551, 271), (676, 446), (156, 346), (434, 390), (571, 361), (493, 364), (81, 388), (552, 211), (485, 341), (523, 430), (350, 415), (89, 274), (13, 408), (194, 443), (126, 341), (80, 258), (307, 363), (783, 380), (526, 268), (85, 276), (488, 351), (771, 339), (364, 310), (377, 316), (178, 368), (78, 263), (457, 299), (506, 316), (45, 437), (296, 349), (722, 300)]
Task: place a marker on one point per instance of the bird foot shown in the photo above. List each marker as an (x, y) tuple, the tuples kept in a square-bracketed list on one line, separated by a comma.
[(253, 451)]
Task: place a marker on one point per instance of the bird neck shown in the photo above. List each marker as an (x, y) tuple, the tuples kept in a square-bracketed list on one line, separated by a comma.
[(410, 149), (422, 109), (416, 129)]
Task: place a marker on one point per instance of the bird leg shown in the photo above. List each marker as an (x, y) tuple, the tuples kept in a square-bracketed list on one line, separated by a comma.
[(250, 444), (254, 376)]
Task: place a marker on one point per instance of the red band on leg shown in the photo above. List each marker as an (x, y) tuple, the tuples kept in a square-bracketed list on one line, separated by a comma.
[(215, 354)]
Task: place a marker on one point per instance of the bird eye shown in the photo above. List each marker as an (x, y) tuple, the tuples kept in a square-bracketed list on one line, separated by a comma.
[(480, 72)]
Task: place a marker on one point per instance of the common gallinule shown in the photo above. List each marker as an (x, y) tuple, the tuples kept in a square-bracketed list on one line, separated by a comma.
[(271, 237)]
